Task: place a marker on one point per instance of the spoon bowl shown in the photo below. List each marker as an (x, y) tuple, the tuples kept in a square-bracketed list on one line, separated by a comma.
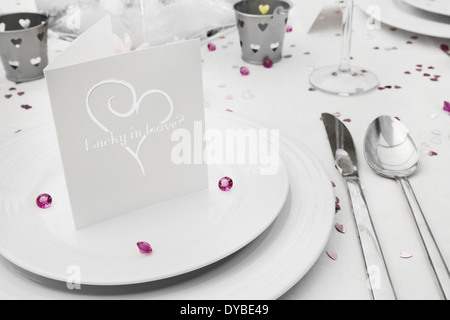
[(392, 153), (390, 150)]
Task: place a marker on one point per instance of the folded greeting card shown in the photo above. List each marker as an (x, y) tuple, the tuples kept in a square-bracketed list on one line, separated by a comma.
[(114, 117), (309, 11)]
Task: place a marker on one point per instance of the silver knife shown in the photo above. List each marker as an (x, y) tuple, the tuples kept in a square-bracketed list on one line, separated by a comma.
[(344, 153)]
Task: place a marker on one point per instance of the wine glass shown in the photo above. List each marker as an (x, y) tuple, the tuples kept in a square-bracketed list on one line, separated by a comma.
[(345, 80)]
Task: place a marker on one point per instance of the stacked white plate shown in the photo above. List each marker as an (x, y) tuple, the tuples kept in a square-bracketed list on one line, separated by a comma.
[(426, 17), (254, 242)]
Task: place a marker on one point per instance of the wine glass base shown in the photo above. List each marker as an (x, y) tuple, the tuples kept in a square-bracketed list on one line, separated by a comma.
[(355, 82)]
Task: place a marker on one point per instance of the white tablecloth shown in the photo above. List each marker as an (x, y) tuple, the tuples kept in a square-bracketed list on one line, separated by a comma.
[(281, 97)]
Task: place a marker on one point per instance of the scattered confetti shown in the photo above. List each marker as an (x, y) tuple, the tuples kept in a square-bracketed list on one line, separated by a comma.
[(405, 255), (20, 93), (245, 71), (337, 114), (267, 63), (226, 184), (144, 247), (229, 110), (447, 106), (348, 120), (26, 106), (289, 29), (340, 228), (434, 116), (436, 141), (211, 47), (432, 154), (338, 207), (247, 95), (333, 184), (44, 201), (332, 254), (8, 96), (445, 48)]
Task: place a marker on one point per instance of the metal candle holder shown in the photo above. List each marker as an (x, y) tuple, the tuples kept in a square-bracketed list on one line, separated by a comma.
[(262, 35), (23, 45)]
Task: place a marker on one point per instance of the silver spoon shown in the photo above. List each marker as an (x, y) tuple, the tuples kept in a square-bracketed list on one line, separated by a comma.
[(392, 153)]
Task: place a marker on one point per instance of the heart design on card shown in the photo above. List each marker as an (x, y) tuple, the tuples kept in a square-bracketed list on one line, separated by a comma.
[(264, 8), (25, 23), (134, 112), (2, 27)]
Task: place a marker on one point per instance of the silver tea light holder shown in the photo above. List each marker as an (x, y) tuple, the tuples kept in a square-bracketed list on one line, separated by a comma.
[(262, 29), (23, 45)]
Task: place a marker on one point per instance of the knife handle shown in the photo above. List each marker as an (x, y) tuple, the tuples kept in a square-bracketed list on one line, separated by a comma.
[(380, 282)]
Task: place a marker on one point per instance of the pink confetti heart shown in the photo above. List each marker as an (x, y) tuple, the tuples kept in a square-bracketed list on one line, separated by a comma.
[(26, 106), (340, 228), (8, 96), (332, 254), (432, 154), (447, 106), (405, 255)]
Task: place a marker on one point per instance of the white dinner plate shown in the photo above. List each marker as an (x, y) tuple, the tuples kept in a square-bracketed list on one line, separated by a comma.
[(265, 269), (434, 6), (186, 233), (401, 15)]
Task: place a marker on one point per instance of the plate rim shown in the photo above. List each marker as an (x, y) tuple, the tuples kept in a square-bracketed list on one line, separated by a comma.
[(51, 289), (62, 277), (365, 4), (411, 3)]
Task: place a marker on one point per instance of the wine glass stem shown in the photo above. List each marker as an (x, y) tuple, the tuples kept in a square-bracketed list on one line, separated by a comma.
[(346, 36)]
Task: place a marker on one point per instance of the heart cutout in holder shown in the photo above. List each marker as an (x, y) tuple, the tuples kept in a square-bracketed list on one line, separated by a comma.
[(25, 23), (36, 61), (263, 26), (41, 36), (2, 27), (14, 64), (255, 47), (135, 109), (16, 42), (275, 46), (241, 23)]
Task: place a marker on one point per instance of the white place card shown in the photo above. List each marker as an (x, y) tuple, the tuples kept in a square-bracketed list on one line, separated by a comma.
[(308, 11), (114, 117)]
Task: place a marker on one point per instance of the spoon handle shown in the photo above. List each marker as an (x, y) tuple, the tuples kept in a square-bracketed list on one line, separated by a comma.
[(434, 254), (381, 287)]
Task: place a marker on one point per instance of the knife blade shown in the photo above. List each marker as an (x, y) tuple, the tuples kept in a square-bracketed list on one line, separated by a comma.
[(344, 152)]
